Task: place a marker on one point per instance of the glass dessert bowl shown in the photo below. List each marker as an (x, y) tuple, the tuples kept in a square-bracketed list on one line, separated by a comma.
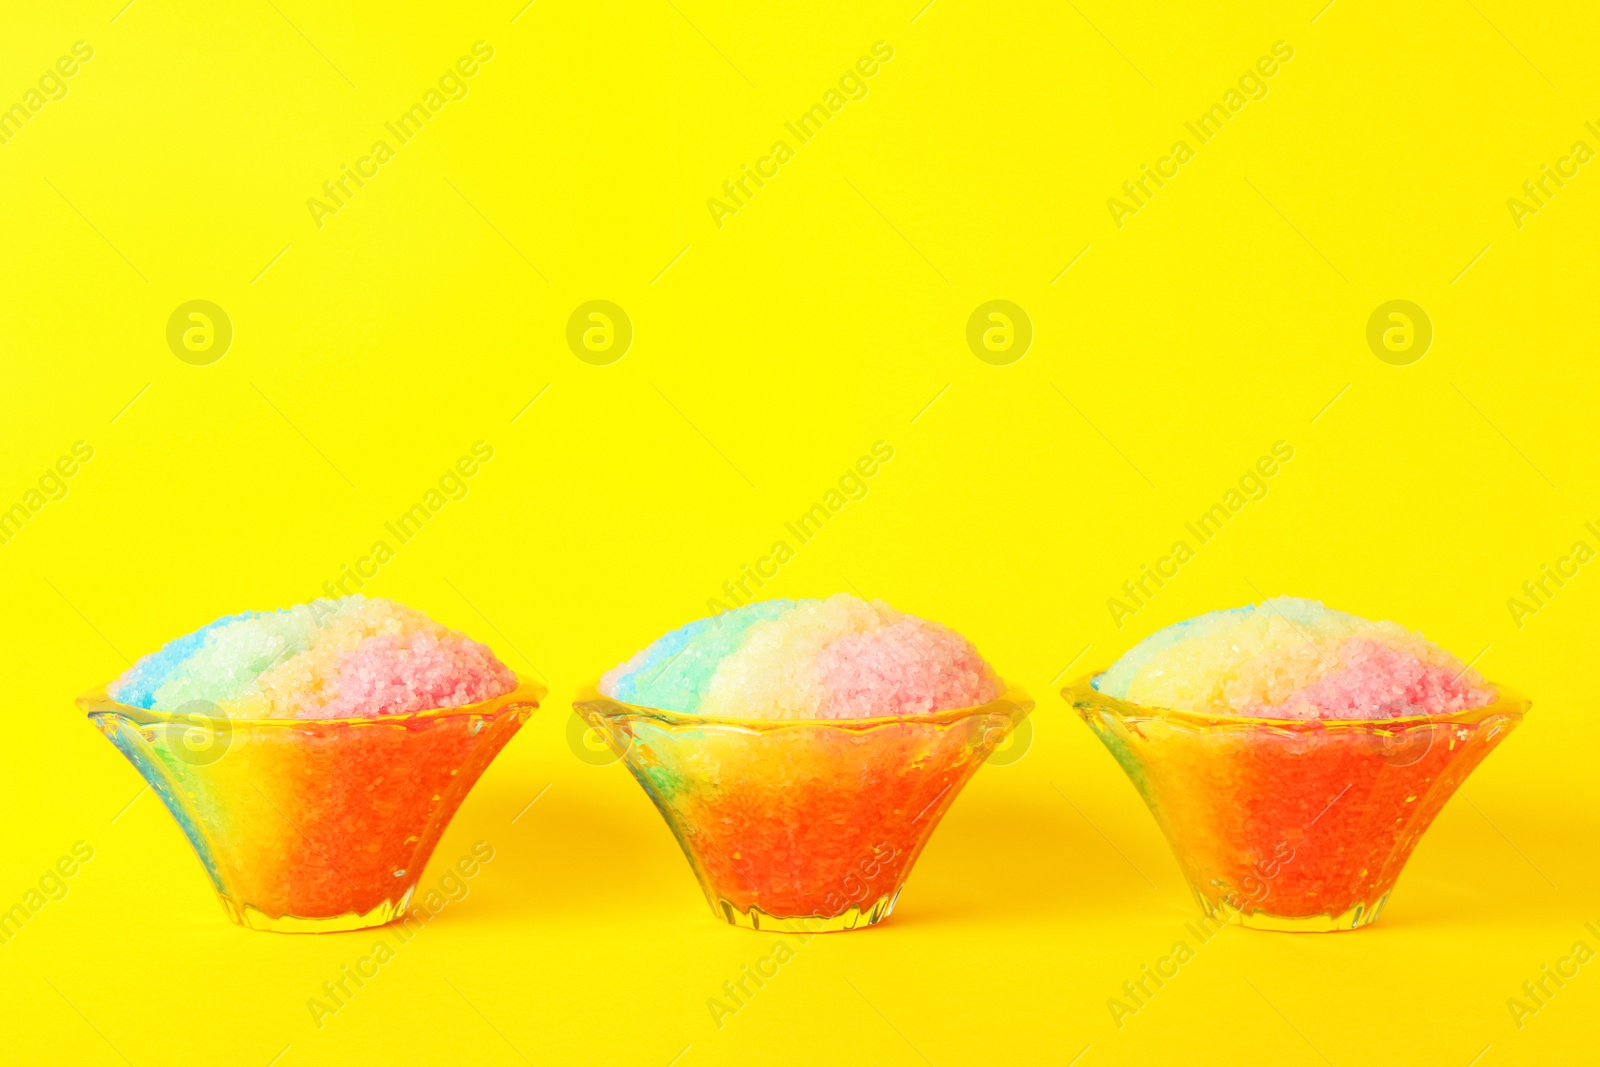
[(1291, 823), (313, 825), (314, 754), (805, 825)]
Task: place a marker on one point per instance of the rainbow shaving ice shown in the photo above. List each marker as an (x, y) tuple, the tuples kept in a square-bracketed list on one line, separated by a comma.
[(314, 755), (840, 658), (1293, 755), (346, 658), (1294, 659), (853, 729)]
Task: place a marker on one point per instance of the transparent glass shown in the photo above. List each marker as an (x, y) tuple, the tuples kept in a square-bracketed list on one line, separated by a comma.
[(313, 825), (802, 824), (1288, 824)]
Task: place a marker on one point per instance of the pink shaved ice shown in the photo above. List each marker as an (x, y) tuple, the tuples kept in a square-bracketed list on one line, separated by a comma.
[(909, 667), (392, 674), (1377, 681)]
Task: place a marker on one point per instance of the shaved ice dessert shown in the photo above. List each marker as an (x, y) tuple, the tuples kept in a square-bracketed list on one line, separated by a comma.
[(1293, 754), (803, 750), (1295, 659), (314, 755), (840, 658), (329, 659)]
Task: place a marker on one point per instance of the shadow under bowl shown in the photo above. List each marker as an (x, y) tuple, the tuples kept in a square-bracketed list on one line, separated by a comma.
[(802, 825), (1293, 824), (313, 825)]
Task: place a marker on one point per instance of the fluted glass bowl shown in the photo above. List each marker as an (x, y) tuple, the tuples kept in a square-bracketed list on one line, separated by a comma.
[(802, 824), (1292, 824), (313, 825)]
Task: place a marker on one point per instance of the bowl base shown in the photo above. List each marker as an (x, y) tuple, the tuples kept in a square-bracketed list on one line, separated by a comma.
[(1326, 923), (254, 918), (866, 914)]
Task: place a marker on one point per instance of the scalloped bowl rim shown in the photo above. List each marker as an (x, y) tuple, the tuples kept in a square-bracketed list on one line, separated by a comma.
[(1509, 702), (1013, 700), (528, 694)]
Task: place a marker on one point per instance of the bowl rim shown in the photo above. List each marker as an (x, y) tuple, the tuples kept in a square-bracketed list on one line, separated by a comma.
[(1013, 701), (527, 695), (1508, 702)]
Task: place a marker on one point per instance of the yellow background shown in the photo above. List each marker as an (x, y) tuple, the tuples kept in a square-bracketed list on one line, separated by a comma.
[(824, 316)]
